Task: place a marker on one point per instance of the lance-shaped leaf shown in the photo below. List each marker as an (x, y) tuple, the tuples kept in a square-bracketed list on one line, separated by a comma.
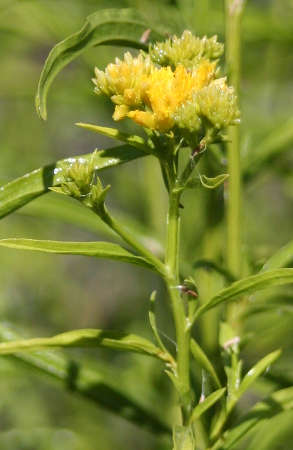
[(105, 27), (24, 189), (91, 385), (206, 404), (281, 258), (253, 374), (247, 286), (86, 338), (105, 250), (262, 412), (131, 139)]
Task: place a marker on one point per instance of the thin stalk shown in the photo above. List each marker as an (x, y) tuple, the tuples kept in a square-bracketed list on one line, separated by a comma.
[(233, 15)]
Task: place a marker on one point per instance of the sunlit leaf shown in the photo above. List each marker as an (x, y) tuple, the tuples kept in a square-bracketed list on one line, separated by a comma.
[(122, 27), (85, 338), (24, 189), (105, 250)]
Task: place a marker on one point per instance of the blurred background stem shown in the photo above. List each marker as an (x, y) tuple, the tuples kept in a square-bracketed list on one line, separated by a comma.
[(233, 16)]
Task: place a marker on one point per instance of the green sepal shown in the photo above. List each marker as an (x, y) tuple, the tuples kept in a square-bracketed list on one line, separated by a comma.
[(213, 183), (131, 139)]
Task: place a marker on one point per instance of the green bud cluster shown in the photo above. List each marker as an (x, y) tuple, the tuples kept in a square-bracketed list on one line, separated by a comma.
[(81, 183), (187, 50), (218, 104), (214, 105)]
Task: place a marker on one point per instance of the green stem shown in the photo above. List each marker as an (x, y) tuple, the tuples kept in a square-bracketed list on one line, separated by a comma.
[(234, 11), (178, 310)]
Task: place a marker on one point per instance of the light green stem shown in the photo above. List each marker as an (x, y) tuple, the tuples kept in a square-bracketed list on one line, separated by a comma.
[(234, 11)]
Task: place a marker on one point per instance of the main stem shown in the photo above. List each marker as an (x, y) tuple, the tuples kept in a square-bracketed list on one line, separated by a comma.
[(178, 310), (234, 10)]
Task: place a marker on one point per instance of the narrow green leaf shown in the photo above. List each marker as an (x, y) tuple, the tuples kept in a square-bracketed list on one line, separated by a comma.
[(133, 140), (24, 189), (206, 404), (213, 183), (202, 359), (91, 385), (262, 412), (106, 250), (109, 26), (247, 286), (281, 258), (256, 371), (85, 338)]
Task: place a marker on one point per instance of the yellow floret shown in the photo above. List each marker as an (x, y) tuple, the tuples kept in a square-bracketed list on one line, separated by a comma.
[(124, 81), (166, 91)]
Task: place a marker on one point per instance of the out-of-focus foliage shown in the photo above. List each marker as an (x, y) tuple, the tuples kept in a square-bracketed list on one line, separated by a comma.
[(48, 294)]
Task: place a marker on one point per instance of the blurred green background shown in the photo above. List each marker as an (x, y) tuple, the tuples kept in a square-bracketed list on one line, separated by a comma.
[(48, 294)]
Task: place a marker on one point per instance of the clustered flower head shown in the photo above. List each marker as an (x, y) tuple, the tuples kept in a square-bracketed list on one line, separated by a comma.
[(174, 87)]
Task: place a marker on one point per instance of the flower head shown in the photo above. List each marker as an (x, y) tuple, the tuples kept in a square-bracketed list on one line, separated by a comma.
[(124, 82), (175, 86)]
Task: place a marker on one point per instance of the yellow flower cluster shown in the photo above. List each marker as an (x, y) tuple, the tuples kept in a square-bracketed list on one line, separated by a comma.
[(155, 97), (166, 91)]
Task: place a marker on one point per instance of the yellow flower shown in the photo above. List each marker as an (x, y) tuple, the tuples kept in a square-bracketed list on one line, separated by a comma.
[(124, 82), (166, 91)]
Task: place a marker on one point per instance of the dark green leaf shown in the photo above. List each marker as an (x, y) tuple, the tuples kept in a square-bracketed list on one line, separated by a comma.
[(24, 189), (109, 26)]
